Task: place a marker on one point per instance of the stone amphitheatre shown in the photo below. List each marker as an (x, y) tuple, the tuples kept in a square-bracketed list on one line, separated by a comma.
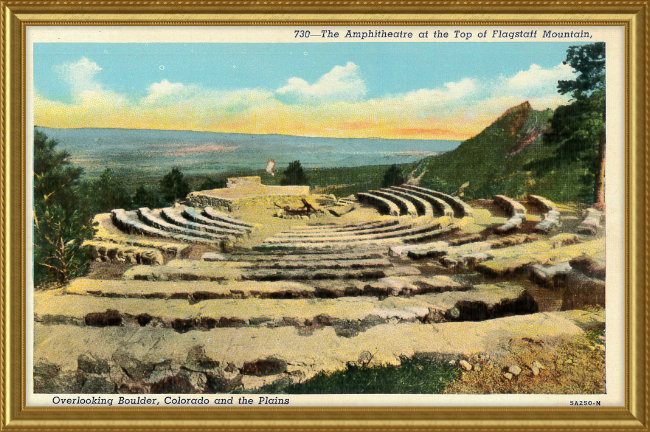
[(240, 287)]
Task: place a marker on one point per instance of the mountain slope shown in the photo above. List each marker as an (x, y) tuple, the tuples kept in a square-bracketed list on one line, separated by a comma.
[(500, 160)]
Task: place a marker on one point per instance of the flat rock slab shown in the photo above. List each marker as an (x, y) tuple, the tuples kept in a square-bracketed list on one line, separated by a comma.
[(64, 351)]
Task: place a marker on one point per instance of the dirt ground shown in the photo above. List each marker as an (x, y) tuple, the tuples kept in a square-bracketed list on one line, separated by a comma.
[(563, 366)]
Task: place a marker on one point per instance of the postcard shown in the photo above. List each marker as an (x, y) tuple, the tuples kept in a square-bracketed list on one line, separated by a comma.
[(326, 216)]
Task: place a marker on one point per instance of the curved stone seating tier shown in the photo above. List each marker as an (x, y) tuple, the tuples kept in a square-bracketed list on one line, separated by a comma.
[(404, 229), (406, 232), (508, 204), (424, 207), (343, 245), (344, 228), (322, 264), (516, 211), (439, 204), (146, 216), (591, 223), (544, 203), (129, 222), (107, 231), (406, 207), (217, 215), (351, 256), (461, 208), (381, 203), (172, 216), (196, 291), (193, 215), (551, 220), (358, 232)]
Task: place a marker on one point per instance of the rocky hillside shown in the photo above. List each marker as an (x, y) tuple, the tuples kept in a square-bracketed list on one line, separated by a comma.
[(502, 159)]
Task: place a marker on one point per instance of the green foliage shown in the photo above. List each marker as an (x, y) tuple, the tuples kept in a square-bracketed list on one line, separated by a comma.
[(143, 197), (577, 131), (106, 193), (492, 162), (438, 184), (62, 221), (294, 175), (589, 62), (393, 177), (412, 376), (213, 183), (173, 185)]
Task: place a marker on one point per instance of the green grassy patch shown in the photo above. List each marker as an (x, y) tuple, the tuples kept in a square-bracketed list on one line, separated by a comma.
[(412, 376)]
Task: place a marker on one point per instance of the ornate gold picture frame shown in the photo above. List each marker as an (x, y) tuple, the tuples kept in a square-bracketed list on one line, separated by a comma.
[(19, 18)]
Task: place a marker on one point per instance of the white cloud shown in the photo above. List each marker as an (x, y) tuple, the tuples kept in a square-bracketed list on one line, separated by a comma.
[(334, 105), (80, 75), (537, 78), (341, 83), (163, 89)]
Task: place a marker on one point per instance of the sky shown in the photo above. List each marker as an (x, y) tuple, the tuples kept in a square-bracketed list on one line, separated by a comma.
[(356, 90)]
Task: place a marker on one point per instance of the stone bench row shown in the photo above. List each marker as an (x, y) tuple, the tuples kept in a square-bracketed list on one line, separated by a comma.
[(194, 215), (438, 204), (491, 300), (129, 222), (349, 245), (147, 216), (424, 207), (516, 211), (107, 231), (173, 216), (179, 270), (254, 257), (256, 360), (460, 207), (345, 227), (453, 253), (322, 264), (406, 206), (357, 232), (220, 216), (544, 203), (398, 231), (509, 205), (196, 291), (383, 204)]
